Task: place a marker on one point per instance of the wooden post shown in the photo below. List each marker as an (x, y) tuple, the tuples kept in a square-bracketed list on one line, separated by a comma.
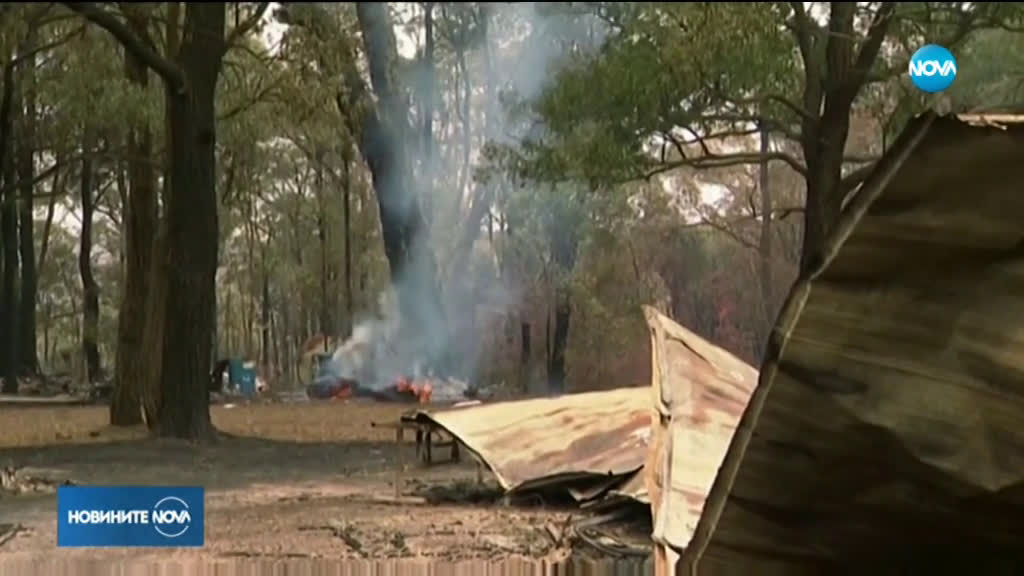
[(401, 460)]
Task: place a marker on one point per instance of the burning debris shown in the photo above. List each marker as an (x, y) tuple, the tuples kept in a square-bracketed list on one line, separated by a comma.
[(379, 361)]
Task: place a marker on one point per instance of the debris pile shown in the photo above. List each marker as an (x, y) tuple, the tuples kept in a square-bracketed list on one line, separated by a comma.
[(330, 385), (603, 449), (16, 480), (58, 388)]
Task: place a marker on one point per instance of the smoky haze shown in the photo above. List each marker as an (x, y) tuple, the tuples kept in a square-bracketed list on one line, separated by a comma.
[(525, 45)]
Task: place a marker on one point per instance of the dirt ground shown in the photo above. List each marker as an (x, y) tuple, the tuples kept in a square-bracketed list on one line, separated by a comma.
[(301, 480)]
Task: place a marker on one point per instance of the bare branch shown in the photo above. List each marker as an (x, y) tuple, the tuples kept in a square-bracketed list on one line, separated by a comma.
[(707, 161), (248, 24), (778, 98), (34, 180), (260, 97), (167, 70), (854, 179), (724, 228), (869, 50), (802, 30), (724, 225)]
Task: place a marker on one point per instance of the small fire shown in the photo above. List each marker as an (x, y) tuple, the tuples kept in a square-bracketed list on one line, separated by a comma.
[(422, 390)]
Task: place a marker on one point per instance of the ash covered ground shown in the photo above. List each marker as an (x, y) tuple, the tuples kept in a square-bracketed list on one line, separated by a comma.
[(307, 480)]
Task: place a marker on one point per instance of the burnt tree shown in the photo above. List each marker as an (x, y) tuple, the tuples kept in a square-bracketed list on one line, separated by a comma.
[(8, 236), (383, 131), (28, 362), (563, 235)]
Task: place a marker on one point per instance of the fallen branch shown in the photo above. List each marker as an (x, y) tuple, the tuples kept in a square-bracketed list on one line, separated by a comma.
[(615, 548), (11, 533)]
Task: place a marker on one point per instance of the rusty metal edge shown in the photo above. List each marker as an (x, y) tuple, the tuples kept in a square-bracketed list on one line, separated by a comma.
[(876, 183)]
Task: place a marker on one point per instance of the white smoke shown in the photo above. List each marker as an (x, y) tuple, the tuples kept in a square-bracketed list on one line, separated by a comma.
[(528, 45)]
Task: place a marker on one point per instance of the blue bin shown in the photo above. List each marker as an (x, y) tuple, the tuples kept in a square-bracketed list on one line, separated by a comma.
[(243, 377)]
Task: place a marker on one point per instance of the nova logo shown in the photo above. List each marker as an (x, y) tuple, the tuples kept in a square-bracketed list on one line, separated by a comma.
[(932, 68), (171, 517), (144, 516)]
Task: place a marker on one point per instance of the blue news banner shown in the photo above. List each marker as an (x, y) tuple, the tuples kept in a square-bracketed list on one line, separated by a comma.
[(126, 516)]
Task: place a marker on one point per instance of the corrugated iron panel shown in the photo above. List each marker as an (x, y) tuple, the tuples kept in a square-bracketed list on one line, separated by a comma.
[(888, 427), (634, 487), (700, 392), (527, 443)]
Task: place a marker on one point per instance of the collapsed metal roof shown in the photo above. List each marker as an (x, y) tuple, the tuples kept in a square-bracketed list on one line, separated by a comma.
[(598, 444), (700, 392), (888, 424), (529, 443)]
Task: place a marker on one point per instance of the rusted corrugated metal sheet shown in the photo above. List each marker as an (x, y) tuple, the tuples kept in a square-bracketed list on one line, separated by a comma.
[(528, 443), (700, 392), (887, 432)]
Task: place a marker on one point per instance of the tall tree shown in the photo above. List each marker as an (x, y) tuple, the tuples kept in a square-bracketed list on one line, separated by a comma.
[(346, 192), (90, 289), (8, 233), (28, 360), (141, 227), (764, 262), (734, 66), (190, 78), (563, 233)]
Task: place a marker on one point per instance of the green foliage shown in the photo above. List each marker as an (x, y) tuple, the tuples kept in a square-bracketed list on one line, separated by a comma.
[(990, 72), (569, 105), (664, 66)]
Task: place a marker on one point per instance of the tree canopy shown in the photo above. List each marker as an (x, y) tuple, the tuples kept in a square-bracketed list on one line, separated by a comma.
[(513, 180)]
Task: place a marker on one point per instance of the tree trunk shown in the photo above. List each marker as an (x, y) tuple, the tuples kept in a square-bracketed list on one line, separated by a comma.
[(140, 216), (46, 333), (406, 243), (346, 189), (483, 195), (51, 207), (8, 239), (467, 124), (765, 245), (249, 298), (429, 87), (90, 290), (120, 170), (525, 354), (824, 135), (265, 343), (563, 235), (326, 297), (285, 338), (29, 360), (152, 347), (559, 343), (192, 230)]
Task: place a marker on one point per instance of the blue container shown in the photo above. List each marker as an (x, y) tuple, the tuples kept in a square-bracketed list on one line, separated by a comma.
[(243, 377)]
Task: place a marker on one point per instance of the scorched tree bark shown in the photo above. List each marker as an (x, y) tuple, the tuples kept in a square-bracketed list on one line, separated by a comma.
[(8, 237), (28, 360)]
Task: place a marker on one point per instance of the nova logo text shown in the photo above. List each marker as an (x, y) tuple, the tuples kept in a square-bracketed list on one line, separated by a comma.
[(932, 68), (130, 516), (171, 517)]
